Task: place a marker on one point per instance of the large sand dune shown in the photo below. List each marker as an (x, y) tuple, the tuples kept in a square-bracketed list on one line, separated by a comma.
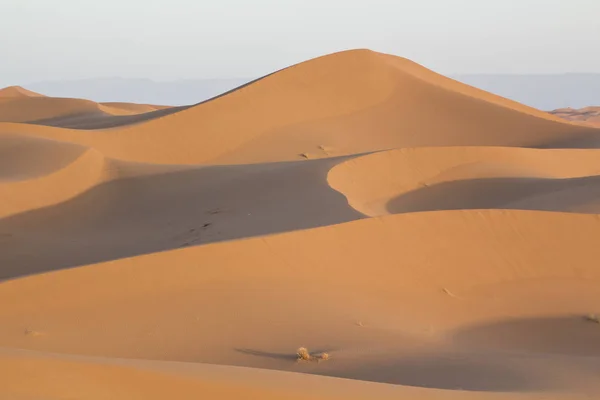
[(437, 241), (340, 104)]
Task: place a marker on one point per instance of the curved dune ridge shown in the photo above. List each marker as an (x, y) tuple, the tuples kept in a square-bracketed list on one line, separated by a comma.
[(434, 240), (36, 173), (437, 178), (22, 106), (13, 92)]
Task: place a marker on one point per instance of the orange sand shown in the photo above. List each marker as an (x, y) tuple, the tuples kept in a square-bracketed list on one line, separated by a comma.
[(437, 241)]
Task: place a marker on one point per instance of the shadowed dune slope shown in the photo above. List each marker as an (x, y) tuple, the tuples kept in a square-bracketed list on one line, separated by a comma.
[(152, 208), (425, 179), (345, 103), (109, 117), (31, 375)]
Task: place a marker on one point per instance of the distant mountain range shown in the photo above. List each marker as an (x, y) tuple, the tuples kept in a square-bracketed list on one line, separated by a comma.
[(545, 92)]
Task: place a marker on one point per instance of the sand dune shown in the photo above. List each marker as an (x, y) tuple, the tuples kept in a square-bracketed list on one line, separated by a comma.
[(345, 103), (17, 92), (436, 241), (588, 115), (157, 207), (470, 178), (37, 173), (20, 105), (160, 208), (134, 108)]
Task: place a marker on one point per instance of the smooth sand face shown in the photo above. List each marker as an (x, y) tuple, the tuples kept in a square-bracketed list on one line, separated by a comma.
[(438, 242)]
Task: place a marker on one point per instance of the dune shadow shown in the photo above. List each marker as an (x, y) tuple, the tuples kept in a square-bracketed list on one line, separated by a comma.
[(586, 140), (279, 356), (487, 193), (568, 335), (101, 120), (454, 372), (266, 354), (170, 210), (451, 371)]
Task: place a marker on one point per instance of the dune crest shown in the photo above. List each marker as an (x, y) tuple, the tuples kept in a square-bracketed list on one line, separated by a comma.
[(37, 173), (18, 105), (17, 91), (440, 178)]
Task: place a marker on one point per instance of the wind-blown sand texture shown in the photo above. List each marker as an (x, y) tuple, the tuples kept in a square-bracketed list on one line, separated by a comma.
[(437, 241)]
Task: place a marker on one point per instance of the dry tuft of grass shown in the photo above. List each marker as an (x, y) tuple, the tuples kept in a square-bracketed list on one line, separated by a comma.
[(593, 318), (303, 354)]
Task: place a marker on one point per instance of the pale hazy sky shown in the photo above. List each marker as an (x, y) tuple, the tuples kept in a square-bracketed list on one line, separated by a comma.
[(173, 39)]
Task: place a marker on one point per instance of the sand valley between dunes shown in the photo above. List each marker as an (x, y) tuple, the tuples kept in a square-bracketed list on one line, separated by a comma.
[(436, 241)]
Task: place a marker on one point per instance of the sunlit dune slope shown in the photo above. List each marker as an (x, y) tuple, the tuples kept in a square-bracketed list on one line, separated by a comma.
[(425, 179), (133, 107)]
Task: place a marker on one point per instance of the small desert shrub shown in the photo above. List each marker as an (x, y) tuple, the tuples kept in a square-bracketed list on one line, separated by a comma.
[(303, 354)]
